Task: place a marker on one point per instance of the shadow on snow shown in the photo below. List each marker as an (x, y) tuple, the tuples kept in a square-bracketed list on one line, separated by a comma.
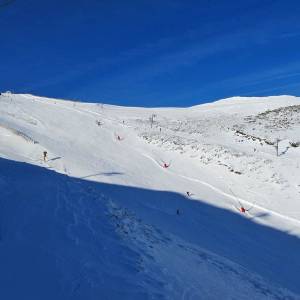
[(37, 217), (103, 174)]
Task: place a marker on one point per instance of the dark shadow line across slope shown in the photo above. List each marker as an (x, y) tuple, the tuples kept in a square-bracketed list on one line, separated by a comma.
[(103, 174)]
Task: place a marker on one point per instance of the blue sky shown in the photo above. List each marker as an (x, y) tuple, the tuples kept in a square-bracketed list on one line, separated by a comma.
[(150, 53)]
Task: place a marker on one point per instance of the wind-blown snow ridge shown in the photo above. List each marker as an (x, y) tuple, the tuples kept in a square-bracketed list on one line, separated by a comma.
[(134, 232)]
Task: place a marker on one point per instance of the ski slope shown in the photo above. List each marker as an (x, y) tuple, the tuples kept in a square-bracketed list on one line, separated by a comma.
[(102, 218)]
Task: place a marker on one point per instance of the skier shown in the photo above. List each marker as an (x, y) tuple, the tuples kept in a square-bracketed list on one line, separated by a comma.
[(189, 194), (165, 165), (244, 210), (45, 155), (241, 208), (119, 138)]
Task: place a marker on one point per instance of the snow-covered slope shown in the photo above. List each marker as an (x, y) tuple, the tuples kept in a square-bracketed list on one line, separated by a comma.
[(102, 218)]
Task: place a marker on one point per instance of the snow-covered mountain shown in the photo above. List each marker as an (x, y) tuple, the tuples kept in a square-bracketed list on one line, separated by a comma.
[(103, 218)]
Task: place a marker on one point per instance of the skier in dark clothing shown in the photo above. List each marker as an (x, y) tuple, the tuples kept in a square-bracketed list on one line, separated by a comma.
[(165, 165), (45, 155)]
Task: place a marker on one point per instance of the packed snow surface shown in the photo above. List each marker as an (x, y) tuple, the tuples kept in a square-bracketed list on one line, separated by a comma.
[(144, 203)]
